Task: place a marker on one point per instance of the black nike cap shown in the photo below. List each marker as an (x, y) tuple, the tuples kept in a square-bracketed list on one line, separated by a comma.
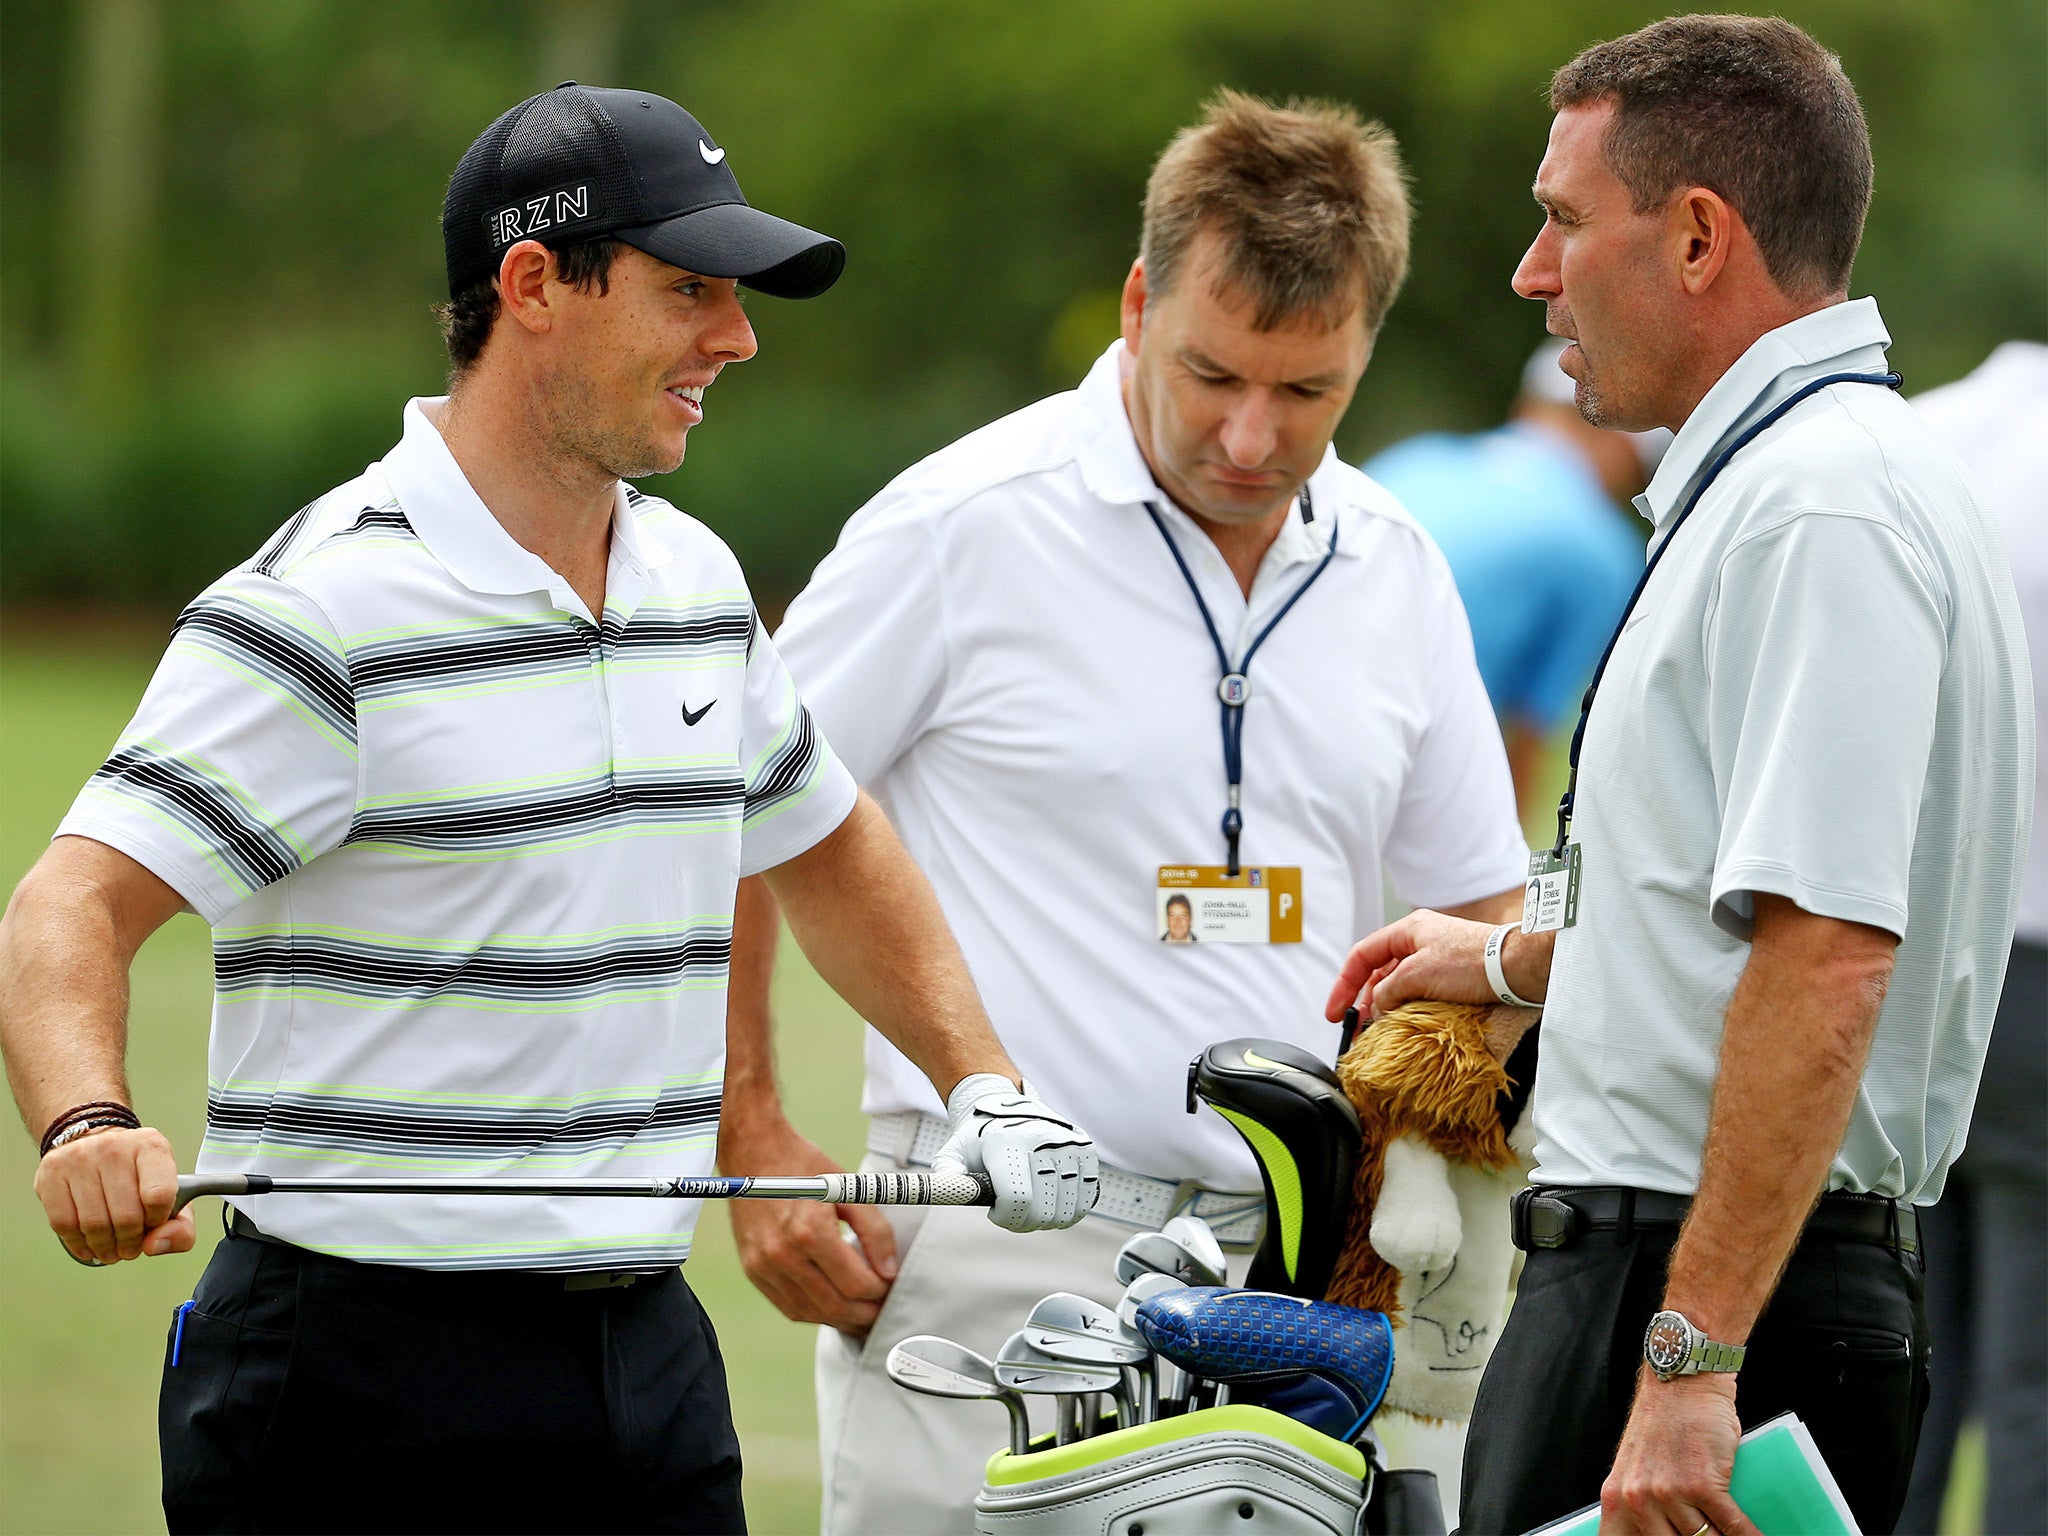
[(578, 162)]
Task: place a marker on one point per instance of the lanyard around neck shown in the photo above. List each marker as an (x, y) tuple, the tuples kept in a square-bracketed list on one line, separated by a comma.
[(1233, 688), (1721, 460)]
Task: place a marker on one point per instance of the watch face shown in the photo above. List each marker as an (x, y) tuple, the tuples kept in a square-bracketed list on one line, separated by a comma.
[(1668, 1344)]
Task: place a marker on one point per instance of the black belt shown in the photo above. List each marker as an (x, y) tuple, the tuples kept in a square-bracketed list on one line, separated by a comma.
[(549, 1280), (1556, 1216)]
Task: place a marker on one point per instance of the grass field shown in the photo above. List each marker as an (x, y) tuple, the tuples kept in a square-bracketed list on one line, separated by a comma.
[(80, 1351)]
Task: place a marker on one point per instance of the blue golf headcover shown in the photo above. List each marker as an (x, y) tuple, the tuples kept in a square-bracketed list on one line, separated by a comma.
[(1235, 1336)]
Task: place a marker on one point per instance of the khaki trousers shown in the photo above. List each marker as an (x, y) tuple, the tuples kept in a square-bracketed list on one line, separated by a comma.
[(897, 1462)]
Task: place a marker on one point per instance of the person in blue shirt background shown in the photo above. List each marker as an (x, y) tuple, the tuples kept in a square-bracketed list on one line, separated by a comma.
[(1532, 517)]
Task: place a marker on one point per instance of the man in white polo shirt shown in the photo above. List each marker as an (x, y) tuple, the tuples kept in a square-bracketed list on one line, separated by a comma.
[(1144, 644), (1786, 875), (463, 769)]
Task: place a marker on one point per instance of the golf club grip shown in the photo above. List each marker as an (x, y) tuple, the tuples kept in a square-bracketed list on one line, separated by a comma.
[(912, 1189), (838, 1188)]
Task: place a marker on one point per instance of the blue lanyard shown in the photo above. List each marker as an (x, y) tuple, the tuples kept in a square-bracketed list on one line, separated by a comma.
[(1770, 419), (1233, 688)]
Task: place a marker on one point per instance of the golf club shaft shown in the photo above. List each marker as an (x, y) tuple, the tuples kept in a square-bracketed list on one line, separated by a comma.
[(1020, 1424), (835, 1188), (1174, 1385)]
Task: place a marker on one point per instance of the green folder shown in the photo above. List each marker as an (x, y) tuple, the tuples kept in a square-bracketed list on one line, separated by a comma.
[(1780, 1482)]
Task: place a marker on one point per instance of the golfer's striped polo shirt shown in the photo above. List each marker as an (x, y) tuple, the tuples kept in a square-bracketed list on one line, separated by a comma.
[(469, 859)]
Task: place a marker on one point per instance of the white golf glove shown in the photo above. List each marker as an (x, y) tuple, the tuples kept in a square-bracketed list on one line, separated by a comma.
[(1042, 1164)]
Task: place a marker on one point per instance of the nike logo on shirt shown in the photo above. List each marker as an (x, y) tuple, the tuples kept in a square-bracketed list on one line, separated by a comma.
[(691, 718)]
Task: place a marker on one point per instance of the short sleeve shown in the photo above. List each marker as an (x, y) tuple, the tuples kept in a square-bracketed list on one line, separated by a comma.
[(867, 638), (240, 765), (1825, 643), (797, 792), (1455, 836)]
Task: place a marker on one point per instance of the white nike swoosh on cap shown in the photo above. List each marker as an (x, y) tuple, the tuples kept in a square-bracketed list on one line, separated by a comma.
[(711, 156)]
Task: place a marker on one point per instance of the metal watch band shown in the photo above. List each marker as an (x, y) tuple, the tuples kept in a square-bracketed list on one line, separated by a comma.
[(1710, 1355)]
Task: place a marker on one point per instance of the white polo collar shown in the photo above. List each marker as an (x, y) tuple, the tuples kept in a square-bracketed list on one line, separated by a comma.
[(468, 540), (1106, 451), (1843, 338)]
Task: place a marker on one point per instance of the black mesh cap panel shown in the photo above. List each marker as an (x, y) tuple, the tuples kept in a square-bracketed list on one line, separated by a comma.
[(473, 185), (562, 136)]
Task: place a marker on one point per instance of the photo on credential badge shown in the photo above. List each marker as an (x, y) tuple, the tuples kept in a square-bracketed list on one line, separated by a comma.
[(1206, 904)]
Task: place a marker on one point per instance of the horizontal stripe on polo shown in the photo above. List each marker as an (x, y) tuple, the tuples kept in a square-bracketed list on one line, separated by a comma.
[(209, 811), (456, 1136), (265, 645), (560, 812), (394, 971), (419, 665)]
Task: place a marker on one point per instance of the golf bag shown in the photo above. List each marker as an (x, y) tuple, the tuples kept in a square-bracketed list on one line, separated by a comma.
[(1277, 1439), (1215, 1471)]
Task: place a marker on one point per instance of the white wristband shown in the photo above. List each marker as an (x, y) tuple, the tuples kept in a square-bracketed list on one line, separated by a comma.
[(1496, 978)]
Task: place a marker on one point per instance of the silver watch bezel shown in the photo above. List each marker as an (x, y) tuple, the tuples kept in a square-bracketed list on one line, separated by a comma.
[(1702, 1354), (1655, 1354)]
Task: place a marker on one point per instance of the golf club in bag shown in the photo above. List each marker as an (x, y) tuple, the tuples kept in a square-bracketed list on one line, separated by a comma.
[(1303, 1132), (1291, 1450), (1295, 1456)]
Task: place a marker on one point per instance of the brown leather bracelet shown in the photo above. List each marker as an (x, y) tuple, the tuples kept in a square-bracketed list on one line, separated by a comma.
[(103, 1113), (78, 1130)]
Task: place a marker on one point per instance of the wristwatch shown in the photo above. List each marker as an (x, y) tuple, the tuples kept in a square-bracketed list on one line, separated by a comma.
[(1674, 1347)]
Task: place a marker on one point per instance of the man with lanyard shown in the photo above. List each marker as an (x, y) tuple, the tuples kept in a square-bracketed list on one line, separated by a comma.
[(463, 768), (1142, 646), (1770, 938)]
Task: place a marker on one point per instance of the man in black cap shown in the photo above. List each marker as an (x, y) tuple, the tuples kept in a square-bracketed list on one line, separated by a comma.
[(463, 768)]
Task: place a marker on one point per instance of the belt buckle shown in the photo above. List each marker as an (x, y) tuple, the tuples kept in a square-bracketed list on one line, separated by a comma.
[(1543, 1221), (1906, 1228), (600, 1280)]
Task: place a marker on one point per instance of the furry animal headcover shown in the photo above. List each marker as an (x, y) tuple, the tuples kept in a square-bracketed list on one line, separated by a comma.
[(1425, 1073)]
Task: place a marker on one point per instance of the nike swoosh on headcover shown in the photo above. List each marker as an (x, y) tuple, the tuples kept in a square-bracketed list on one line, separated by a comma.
[(711, 156)]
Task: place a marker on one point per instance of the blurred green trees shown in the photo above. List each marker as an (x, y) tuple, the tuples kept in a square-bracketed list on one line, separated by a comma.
[(219, 225)]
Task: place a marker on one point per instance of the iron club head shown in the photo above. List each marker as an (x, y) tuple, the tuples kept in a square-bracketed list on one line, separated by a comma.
[(940, 1368), (1194, 1234), (1023, 1368), (1162, 1254), (1070, 1327)]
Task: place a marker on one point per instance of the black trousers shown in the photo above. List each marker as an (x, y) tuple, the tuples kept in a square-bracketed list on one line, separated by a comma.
[(1843, 1344), (307, 1393)]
